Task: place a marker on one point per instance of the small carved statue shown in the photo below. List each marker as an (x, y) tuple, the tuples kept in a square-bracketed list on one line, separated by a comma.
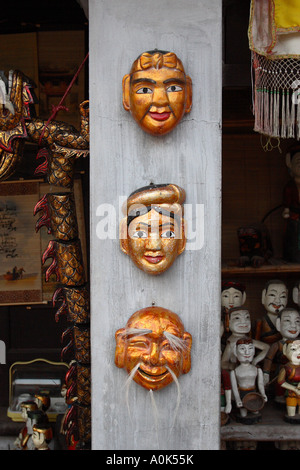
[(240, 328), (43, 400), (157, 91), (233, 295), (288, 324), (296, 294), (247, 378), (289, 379), (274, 299), (226, 405), (24, 441), (153, 234), (42, 436)]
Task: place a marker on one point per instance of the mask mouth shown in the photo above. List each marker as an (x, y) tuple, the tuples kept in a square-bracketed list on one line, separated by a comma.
[(276, 307), (152, 376), (160, 116), (153, 259)]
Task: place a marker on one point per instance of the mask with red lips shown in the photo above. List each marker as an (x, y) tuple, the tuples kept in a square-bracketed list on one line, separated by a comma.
[(157, 92), (153, 233)]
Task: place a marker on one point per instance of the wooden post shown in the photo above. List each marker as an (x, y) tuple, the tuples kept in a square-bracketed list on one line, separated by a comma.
[(124, 158)]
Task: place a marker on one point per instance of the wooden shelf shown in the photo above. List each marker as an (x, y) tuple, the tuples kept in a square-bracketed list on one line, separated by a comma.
[(271, 428), (230, 268)]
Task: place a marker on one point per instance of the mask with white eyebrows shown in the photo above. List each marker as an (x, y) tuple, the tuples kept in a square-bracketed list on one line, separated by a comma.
[(153, 348)]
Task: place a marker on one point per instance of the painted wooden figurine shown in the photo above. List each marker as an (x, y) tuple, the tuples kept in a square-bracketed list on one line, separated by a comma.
[(240, 328), (24, 441), (246, 380), (154, 348), (274, 299), (233, 295), (226, 405), (291, 203), (43, 400), (296, 294), (157, 92), (289, 379), (42, 436), (288, 324), (153, 234)]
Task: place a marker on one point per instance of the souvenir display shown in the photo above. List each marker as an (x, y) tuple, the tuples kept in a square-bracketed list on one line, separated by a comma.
[(291, 204), (274, 299), (153, 233), (246, 382), (240, 328), (157, 92), (153, 348), (60, 145), (289, 379), (40, 381), (274, 41)]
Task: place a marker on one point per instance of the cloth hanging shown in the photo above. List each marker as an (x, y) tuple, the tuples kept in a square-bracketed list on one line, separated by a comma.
[(274, 39)]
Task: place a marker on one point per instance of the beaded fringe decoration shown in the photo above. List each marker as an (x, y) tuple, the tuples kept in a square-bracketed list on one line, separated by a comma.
[(276, 96)]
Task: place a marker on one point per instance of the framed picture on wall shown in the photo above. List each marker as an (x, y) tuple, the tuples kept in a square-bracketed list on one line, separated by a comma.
[(22, 276), (20, 260)]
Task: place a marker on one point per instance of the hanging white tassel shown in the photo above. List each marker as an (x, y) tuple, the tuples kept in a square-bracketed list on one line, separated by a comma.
[(266, 117), (283, 117), (271, 112), (276, 113), (258, 111), (291, 132), (298, 121)]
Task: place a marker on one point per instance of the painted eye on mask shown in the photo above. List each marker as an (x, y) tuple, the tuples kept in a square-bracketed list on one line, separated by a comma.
[(144, 91), (168, 234), (140, 234), (174, 88)]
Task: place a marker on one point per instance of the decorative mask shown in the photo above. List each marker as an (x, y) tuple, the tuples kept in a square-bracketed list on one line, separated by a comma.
[(152, 233), (153, 348), (157, 92)]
